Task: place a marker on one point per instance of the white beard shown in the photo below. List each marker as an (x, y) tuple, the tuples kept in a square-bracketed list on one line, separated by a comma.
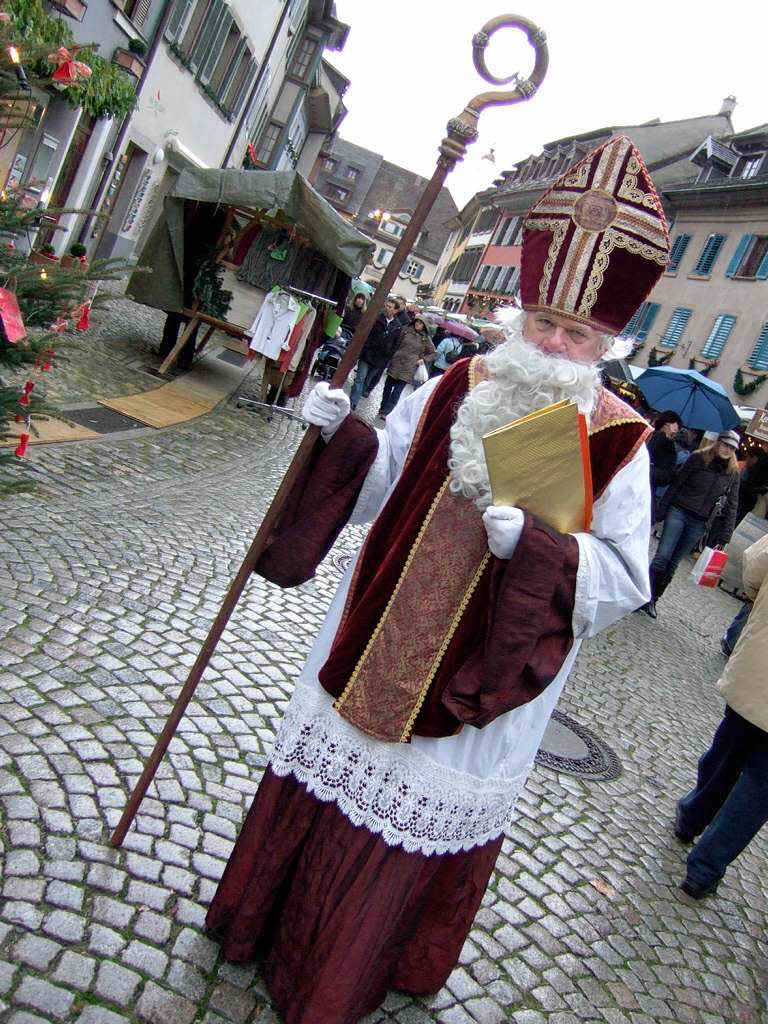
[(523, 379)]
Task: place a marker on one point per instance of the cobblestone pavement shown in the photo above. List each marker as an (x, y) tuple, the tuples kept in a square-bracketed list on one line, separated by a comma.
[(111, 575)]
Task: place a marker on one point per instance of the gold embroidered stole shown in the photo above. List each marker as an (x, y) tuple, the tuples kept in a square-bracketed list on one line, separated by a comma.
[(391, 680)]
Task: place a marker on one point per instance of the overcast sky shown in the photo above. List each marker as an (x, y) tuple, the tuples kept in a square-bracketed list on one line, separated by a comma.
[(410, 64)]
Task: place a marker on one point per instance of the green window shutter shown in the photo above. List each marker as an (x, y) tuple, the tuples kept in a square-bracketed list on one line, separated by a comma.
[(674, 329), (738, 256), (718, 336), (629, 330), (759, 358), (647, 319), (677, 252), (177, 18), (709, 254)]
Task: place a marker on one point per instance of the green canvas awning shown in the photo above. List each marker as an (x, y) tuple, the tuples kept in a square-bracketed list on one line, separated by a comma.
[(157, 280)]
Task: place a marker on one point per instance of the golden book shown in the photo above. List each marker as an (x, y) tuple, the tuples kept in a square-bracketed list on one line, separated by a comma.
[(541, 462)]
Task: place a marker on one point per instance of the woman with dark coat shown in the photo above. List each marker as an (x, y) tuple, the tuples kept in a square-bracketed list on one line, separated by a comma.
[(663, 454), (415, 346), (703, 496)]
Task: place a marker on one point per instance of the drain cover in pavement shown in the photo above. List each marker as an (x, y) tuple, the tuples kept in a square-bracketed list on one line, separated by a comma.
[(102, 420), (235, 358), (341, 562), (569, 747)]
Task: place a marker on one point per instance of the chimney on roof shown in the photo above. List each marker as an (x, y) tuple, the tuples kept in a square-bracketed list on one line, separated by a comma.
[(728, 106)]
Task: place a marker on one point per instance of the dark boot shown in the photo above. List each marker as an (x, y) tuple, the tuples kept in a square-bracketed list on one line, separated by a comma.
[(659, 584)]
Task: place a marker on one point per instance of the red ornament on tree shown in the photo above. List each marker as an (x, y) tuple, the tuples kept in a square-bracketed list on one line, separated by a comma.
[(85, 318), (24, 400), (21, 449)]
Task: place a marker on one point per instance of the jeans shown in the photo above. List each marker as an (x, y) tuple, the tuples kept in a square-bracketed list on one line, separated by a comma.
[(366, 379), (729, 803), (733, 632), (679, 536), (392, 391)]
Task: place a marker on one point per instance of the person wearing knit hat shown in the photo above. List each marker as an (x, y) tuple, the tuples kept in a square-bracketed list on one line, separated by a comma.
[(702, 500), (415, 722)]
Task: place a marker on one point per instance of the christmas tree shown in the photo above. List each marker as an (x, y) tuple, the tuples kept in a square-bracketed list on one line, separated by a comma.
[(41, 299)]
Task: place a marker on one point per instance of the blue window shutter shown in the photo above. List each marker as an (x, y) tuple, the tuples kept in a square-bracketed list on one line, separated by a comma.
[(646, 321), (674, 329), (762, 270), (759, 358), (718, 336), (679, 246), (709, 254), (738, 256), (629, 330)]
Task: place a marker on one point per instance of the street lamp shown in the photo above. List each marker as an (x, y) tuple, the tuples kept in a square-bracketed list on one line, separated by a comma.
[(462, 131)]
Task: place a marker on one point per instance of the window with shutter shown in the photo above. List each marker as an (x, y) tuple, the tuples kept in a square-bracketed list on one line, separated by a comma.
[(759, 358), (223, 40), (650, 311), (674, 329), (752, 257), (178, 18), (718, 336), (677, 252), (709, 254), (194, 23)]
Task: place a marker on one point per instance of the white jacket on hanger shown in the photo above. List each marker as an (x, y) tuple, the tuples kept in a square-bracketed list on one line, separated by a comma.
[(274, 322)]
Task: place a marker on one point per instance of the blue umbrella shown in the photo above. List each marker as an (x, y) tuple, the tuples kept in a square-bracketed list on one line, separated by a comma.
[(701, 404)]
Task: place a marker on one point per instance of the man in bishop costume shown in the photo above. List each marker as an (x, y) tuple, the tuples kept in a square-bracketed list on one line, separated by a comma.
[(416, 719)]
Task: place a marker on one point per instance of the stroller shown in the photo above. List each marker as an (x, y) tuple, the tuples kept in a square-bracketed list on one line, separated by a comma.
[(329, 356)]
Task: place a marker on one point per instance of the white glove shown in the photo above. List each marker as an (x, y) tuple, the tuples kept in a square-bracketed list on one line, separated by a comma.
[(503, 524), (325, 408)]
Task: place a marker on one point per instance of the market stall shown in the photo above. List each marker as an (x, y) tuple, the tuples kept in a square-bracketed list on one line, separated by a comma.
[(259, 255)]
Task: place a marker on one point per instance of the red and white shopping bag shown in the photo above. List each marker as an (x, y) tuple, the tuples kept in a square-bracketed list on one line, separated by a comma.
[(709, 565)]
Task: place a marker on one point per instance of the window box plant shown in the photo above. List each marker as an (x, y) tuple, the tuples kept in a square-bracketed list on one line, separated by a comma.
[(75, 256), (44, 255), (129, 61)]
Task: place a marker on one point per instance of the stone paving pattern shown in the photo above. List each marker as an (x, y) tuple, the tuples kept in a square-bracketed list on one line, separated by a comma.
[(111, 575)]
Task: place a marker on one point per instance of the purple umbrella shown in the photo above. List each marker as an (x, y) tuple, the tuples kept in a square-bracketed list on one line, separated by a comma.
[(458, 330)]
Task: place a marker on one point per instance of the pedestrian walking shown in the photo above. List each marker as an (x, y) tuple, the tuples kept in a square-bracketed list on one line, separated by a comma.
[(663, 454), (353, 314), (729, 803), (414, 347), (377, 352), (702, 499), (415, 722)]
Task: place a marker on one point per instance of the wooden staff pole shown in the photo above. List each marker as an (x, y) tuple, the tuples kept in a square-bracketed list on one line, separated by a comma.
[(461, 132)]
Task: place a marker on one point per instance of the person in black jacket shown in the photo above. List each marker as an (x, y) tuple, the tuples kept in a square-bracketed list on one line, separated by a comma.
[(353, 314), (663, 454), (377, 352), (703, 496)]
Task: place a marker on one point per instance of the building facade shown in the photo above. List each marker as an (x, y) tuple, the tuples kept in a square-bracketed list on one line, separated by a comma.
[(220, 83), (379, 198), (709, 311)]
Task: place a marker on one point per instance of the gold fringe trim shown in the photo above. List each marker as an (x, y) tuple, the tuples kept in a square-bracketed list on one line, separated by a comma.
[(617, 423), (380, 624), (443, 648)]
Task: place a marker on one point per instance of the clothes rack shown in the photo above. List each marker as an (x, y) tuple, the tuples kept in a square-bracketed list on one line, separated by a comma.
[(270, 408)]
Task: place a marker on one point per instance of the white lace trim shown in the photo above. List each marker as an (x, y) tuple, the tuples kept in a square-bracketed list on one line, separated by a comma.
[(393, 790)]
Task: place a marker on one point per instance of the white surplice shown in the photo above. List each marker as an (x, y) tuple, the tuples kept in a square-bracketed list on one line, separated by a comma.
[(453, 793)]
